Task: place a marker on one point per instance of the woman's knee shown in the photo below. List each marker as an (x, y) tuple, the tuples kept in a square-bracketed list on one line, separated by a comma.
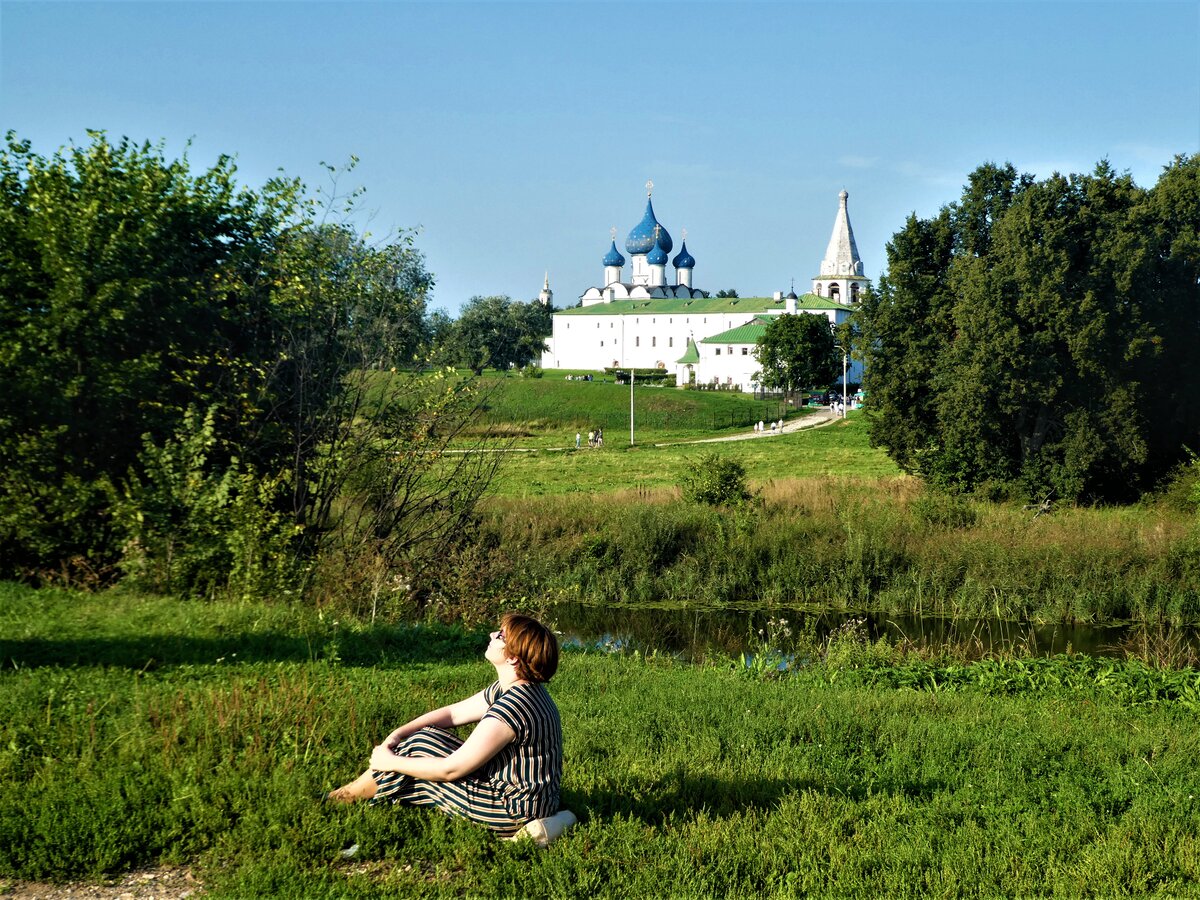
[(430, 741)]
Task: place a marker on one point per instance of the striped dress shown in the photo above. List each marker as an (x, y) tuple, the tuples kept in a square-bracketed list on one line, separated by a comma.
[(518, 784)]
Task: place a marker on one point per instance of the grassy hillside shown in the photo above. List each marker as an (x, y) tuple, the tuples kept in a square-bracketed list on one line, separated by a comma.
[(548, 411), (836, 450)]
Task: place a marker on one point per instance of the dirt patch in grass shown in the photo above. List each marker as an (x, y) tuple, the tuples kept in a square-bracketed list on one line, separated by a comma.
[(167, 883)]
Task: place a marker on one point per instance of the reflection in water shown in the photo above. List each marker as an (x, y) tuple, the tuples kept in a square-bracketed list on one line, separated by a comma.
[(695, 634)]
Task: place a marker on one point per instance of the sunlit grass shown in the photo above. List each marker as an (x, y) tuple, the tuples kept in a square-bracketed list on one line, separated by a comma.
[(862, 774), (839, 450)]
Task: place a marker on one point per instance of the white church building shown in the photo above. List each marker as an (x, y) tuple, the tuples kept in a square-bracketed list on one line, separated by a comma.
[(647, 322)]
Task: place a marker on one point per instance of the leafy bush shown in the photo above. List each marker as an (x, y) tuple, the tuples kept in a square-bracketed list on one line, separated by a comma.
[(716, 480)]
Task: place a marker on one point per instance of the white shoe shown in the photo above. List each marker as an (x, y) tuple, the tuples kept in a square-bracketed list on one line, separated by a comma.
[(544, 831)]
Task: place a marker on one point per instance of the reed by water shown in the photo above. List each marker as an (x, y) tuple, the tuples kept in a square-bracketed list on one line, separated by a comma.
[(883, 544)]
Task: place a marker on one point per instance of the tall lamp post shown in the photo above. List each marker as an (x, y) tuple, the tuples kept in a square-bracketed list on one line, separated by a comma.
[(632, 375), (845, 360)]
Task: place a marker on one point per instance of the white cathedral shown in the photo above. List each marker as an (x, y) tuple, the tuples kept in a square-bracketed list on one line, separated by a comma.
[(646, 322)]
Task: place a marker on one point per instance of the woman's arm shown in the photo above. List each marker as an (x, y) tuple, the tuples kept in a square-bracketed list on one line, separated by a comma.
[(489, 738), (461, 713)]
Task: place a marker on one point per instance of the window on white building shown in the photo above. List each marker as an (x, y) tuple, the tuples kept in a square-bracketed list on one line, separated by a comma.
[(653, 342), (745, 351), (670, 342), (718, 351), (637, 341)]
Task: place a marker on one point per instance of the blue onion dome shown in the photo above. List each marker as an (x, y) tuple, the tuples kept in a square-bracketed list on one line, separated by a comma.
[(684, 259), (613, 257), (657, 257), (641, 238)]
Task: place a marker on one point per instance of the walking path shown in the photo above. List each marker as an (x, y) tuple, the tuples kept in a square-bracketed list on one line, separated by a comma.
[(822, 416), (816, 419)]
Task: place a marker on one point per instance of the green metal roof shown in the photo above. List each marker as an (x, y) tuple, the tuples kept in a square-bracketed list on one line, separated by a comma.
[(700, 306), (750, 333), (692, 355)]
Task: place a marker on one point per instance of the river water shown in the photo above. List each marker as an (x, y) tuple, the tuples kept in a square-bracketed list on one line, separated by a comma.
[(695, 634)]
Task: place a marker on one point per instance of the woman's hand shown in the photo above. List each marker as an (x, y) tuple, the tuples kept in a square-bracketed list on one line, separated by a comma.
[(383, 759), (488, 739)]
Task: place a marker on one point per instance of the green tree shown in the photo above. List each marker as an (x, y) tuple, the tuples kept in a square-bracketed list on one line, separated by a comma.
[(728, 293), (204, 388), (500, 333), (796, 352), (1033, 335), (130, 291)]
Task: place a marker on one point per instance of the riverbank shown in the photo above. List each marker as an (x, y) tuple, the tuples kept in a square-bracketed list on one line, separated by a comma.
[(137, 732)]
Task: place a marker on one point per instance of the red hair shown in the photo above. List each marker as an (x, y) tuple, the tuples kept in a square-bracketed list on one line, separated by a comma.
[(532, 644)]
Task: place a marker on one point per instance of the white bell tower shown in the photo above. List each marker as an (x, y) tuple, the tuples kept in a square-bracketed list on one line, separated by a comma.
[(841, 277)]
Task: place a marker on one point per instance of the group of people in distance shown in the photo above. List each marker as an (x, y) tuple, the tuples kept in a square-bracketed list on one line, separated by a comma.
[(506, 774), (773, 427)]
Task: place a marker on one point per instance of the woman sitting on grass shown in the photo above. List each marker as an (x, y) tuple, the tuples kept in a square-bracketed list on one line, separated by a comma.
[(507, 772)]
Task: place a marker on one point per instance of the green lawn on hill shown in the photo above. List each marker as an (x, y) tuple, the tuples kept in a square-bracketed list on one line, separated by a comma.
[(541, 416)]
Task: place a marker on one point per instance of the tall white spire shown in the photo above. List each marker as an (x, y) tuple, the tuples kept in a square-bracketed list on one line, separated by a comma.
[(841, 256), (547, 295), (841, 275)]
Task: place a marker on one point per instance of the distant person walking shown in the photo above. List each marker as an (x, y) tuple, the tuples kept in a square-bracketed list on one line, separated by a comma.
[(577, 440)]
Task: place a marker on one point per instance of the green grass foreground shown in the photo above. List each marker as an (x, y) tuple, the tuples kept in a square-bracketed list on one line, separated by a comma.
[(138, 731)]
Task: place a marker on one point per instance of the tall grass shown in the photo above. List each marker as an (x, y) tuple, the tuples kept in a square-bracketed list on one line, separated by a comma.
[(839, 779), (844, 543)]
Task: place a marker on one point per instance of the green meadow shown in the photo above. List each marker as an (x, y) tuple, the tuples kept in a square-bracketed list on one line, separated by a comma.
[(548, 411), (139, 731), (835, 526)]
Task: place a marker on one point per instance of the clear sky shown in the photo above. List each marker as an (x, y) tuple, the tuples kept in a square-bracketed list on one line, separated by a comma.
[(514, 135)]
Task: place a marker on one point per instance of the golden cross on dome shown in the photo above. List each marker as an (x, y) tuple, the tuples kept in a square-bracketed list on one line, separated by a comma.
[(649, 187), (613, 232), (657, 229), (683, 233)]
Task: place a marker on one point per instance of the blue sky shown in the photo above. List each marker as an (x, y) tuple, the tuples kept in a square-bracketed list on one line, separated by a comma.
[(514, 135)]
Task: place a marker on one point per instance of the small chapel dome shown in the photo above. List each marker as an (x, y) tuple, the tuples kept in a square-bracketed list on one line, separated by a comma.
[(657, 256), (791, 295), (641, 238), (613, 257), (684, 259)]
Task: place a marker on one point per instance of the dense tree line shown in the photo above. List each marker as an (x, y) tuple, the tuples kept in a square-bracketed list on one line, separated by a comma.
[(498, 332), (206, 387), (1040, 335)]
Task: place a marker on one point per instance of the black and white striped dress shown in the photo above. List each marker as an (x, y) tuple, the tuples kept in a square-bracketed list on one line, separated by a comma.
[(518, 784)]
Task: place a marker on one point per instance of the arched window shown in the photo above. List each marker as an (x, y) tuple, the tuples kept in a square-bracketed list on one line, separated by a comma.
[(854, 293), (834, 291)]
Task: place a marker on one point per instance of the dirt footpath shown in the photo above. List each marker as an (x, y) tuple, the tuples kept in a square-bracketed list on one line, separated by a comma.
[(149, 884), (819, 417)]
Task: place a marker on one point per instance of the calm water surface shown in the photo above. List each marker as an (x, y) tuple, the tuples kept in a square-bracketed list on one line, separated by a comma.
[(693, 634)]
